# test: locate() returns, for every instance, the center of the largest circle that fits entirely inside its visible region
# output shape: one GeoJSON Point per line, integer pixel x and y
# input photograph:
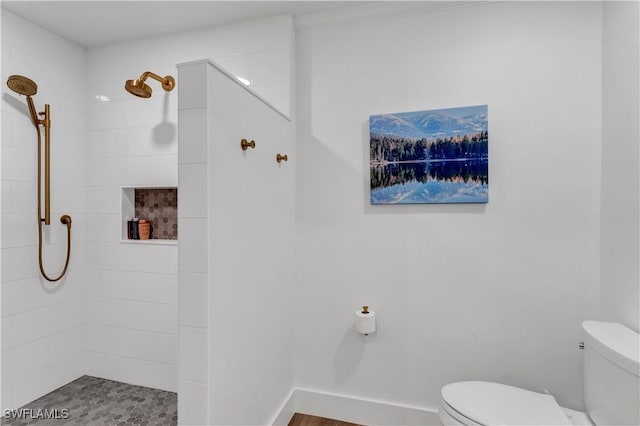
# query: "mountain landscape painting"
{"type": "Point", "coordinates": [425, 157]}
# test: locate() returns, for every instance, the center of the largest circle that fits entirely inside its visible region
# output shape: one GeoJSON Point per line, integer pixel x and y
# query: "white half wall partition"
{"type": "Point", "coordinates": [236, 221]}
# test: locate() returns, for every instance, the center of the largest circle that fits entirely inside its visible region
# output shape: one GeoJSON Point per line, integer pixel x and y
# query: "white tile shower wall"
{"type": "Point", "coordinates": [260, 52]}
{"type": "Point", "coordinates": [192, 263]}
{"type": "Point", "coordinates": [43, 324]}
{"type": "Point", "coordinates": [134, 142]}
{"type": "Point", "coordinates": [462, 292]}
{"type": "Point", "coordinates": [257, 50]}
{"type": "Point", "coordinates": [132, 298]}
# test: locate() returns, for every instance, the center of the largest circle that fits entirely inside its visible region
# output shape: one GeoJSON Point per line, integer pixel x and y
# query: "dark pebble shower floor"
{"type": "Point", "coordinates": [94, 401]}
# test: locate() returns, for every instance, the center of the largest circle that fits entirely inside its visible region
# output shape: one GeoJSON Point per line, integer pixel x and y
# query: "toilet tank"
{"type": "Point", "coordinates": [611, 373]}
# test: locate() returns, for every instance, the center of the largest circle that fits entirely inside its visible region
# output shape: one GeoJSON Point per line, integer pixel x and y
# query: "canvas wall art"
{"type": "Point", "coordinates": [434, 156]}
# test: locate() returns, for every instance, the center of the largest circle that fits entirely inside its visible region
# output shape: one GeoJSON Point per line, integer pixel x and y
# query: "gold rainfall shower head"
{"type": "Point", "coordinates": [27, 87]}
{"type": "Point", "coordinates": [141, 89]}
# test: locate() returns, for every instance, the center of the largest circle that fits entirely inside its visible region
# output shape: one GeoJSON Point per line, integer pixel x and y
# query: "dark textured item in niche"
{"type": "Point", "coordinates": [160, 207]}
{"type": "Point", "coordinates": [132, 230]}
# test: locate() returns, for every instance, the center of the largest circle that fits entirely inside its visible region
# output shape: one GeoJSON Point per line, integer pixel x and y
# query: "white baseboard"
{"type": "Point", "coordinates": [353, 409]}
{"type": "Point", "coordinates": [287, 409]}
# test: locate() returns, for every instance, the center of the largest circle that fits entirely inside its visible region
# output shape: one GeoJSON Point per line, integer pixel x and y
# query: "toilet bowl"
{"type": "Point", "coordinates": [611, 390]}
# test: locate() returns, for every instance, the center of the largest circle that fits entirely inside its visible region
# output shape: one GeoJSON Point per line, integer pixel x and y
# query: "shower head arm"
{"type": "Point", "coordinates": [167, 82]}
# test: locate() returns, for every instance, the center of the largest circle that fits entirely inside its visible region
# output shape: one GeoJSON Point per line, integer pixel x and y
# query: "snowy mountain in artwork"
{"type": "Point", "coordinates": [431, 124]}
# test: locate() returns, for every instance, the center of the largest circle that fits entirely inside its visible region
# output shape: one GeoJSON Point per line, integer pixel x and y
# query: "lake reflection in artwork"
{"type": "Point", "coordinates": [437, 156]}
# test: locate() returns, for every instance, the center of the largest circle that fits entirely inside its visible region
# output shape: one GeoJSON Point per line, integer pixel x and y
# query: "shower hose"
{"type": "Point", "coordinates": [65, 219]}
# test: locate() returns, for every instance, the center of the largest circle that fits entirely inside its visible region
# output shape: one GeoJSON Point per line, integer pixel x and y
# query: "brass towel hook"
{"type": "Point", "coordinates": [244, 144]}
{"type": "Point", "coordinates": [280, 158]}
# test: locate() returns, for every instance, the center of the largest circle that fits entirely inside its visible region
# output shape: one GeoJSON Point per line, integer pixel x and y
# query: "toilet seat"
{"type": "Point", "coordinates": [487, 403]}
{"type": "Point", "coordinates": [450, 417]}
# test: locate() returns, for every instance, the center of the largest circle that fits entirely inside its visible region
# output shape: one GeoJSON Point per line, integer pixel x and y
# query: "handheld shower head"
{"type": "Point", "coordinates": [27, 87]}
{"type": "Point", "coordinates": [22, 85]}
{"type": "Point", "coordinates": [141, 89]}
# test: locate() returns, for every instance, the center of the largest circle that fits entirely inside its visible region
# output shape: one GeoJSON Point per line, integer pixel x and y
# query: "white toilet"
{"type": "Point", "coordinates": [611, 389]}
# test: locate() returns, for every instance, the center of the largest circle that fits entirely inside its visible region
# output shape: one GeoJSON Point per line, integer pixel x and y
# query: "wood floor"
{"type": "Point", "coordinates": [307, 420]}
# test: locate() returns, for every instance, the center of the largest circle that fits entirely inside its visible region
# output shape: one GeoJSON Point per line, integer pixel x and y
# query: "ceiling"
{"type": "Point", "coordinates": [99, 23]}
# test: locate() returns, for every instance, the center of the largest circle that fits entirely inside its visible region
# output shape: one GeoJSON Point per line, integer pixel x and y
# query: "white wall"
{"type": "Point", "coordinates": [42, 323]}
{"type": "Point", "coordinates": [133, 296]}
{"type": "Point", "coordinates": [462, 292]}
{"type": "Point", "coordinates": [619, 295]}
{"type": "Point", "coordinates": [236, 252]}
{"type": "Point", "coordinates": [251, 238]}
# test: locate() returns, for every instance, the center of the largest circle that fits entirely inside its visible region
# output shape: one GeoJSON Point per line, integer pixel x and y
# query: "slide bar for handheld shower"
{"type": "Point", "coordinates": [47, 165]}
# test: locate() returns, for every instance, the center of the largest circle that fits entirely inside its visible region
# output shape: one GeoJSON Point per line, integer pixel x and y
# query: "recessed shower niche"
{"type": "Point", "coordinates": [158, 206]}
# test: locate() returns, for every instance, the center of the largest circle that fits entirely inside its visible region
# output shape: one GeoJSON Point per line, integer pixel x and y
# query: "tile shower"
{"type": "Point", "coordinates": [117, 310]}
